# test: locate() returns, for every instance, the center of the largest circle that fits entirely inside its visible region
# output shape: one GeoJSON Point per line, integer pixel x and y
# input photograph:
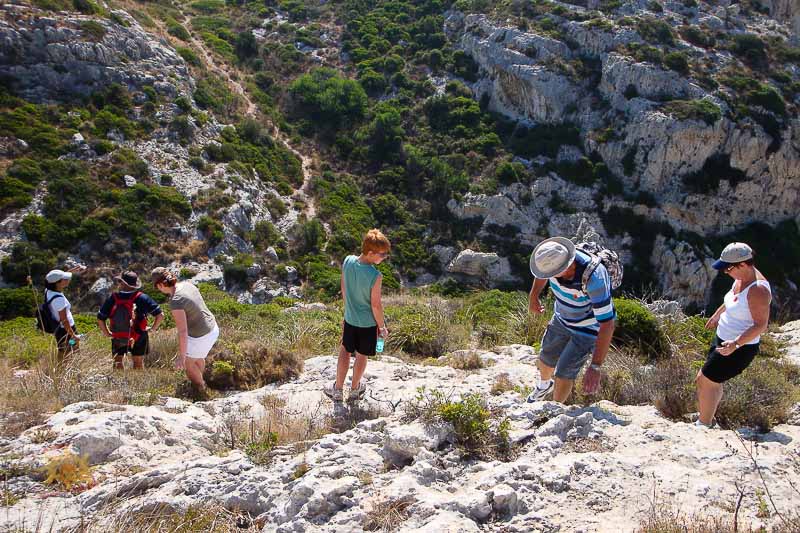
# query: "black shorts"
{"type": "Point", "coordinates": [119, 347]}
{"type": "Point", "coordinates": [361, 340]}
{"type": "Point", "coordinates": [721, 368]}
{"type": "Point", "coordinates": [62, 338]}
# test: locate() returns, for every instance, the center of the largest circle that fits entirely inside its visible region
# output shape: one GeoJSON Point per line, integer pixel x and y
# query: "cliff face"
{"type": "Point", "coordinates": [60, 58]}
{"type": "Point", "coordinates": [628, 113]}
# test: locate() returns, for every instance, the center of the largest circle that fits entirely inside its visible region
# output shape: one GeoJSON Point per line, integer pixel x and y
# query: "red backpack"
{"type": "Point", "coordinates": [123, 318]}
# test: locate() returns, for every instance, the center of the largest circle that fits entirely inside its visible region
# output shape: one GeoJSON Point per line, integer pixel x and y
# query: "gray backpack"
{"type": "Point", "coordinates": [609, 259]}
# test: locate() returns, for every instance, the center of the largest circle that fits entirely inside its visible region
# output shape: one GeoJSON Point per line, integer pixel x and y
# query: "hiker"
{"type": "Point", "coordinates": [363, 314]}
{"type": "Point", "coordinates": [739, 323]}
{"type": "Point", "coordinates": [127, 310]}
{"type": "Point", "coordinates": [583, 321]}
{"type": "Point", "coordinates": [197, 327]}
{"type": "Point", "coordinates": [60, 310]}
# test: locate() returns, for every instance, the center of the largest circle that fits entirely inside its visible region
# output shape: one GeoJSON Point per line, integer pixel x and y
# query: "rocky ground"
{"type": "Point", "coordinates": [597, 468]}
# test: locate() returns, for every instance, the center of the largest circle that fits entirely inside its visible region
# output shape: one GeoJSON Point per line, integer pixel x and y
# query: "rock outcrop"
{"type": "Point", "coordinates": [577, 468]}
{"type": "Point", "coordinates": [51, 59]}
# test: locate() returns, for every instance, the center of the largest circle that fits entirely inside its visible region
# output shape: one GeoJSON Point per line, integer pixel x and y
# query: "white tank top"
{"type": "Point", "coordinates": [736, 319]}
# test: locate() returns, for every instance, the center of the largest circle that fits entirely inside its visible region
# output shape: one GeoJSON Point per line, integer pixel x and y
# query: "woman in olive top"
{"type": "Point", "coordinates": [197, 327]}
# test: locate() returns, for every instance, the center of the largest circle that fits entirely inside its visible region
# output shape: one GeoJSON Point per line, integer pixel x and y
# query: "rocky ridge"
{"type": "Point", "coordinates": [577, 468]}
{"type": "Point", "coordinates": [522, 75]}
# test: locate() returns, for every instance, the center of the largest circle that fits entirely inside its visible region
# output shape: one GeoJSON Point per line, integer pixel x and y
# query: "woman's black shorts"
{"type": "Point", "coordinates": [721, 368]}
{"type": "Point", "coordinates": [361, 340]}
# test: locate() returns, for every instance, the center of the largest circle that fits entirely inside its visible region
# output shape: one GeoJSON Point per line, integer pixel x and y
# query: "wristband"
{"type": "Point", "coordinates": [595, 366]}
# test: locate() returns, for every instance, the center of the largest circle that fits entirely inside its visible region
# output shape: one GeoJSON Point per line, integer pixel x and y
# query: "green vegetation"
{"type": "Point", "coordinates": [698, 36]}
{"type": "Point", "coordinates": [677, 61]}
{"type": "Point", "coordinates": [704, 110]}
{"type": "Point", "coordinates": [637, 327]}
{"type": "Point", "coordinates": [751, 49]}
{"type": "Point", "coordinates": [326, 97]}
{"type": "Point", "coordinates": [93, 30]}
{"type": "Point", "coordinates": [655, 31]}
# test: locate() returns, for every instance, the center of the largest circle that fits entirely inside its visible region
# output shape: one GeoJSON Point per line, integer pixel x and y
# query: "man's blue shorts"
{"type": "Point", "coordinates": [565, 350]}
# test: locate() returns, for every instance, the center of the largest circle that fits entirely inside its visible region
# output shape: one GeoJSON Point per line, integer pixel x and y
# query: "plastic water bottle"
{"type": "Point", "coordinates": [379, 345]}
{"type": "Point", "coordinates": [72, 341]}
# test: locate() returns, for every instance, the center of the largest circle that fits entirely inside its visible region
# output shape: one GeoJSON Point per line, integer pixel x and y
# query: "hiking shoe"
{"type": "Point", "coordinates": [540, 394]}
{"type": "Point", "coordinates": [333, 393]}
{"type": "Point", "coordinates": [357, 394]}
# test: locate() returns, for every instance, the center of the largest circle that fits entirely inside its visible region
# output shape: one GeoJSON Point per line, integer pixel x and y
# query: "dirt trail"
{"type": "Point", "coordinates": [251, 110]}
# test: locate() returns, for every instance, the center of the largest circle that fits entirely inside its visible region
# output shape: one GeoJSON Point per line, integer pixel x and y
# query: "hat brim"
{"type": "Point", "coordinates": [546, 274]}
{"type": "Point", "coordinates": [119, 279]}
{"type": "Point", "coordinates": [719, 264]}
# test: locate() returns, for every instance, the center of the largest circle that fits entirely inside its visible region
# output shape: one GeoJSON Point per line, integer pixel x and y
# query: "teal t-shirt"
{"type": "Point", "coordinates": [358, 281]}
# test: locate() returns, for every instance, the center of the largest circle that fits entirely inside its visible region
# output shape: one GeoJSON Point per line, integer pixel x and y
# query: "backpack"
{"type": "Point", "coordinates": [44, 316]}
{"type": "Point", "coordinates": [609, 259]}
{"type": "Point", "coordinates": [122, 317]}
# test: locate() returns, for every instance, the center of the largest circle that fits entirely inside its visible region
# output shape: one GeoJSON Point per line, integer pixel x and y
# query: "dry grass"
{"type": "Point", "coordinates": [501, 385]}
{"type": "Point", "coordinates": [466, 361]}
{"type": "Point", "coordinates": [387, 515]}
{"type": "Point", "coordinates": [254, 364]}
{"type": "Point", "coordinates": [195, 519]}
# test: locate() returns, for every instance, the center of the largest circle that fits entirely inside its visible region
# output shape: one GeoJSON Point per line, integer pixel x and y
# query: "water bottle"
{"type": "Point", "coordinates": [379, 345]}
{"type": "Point", "coordinates": [72, 342]}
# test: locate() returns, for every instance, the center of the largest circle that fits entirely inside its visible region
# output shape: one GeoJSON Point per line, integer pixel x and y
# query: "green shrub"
{"type": "Point", "coordinates": [212, 229]}
{"type": "Point", "coordinates": [637, 327]}
{"type": "Point", "coordinates": [761, 397]}
{"type": "Point", "coordinates": [189, 55]}
{"type": "Point", "coordinates": [768, 98]}
{"type": "Point", "coordinates": [235, 272]}
{"type": "Point", "coordinates": [176, 29]}
{"type": "Point", "coordinates": [93, 30]}
{"type": "Point", "coordinates": [324, 95]}
{"type": "Point", "coordinates": [751, 49]}
{"type": "Point", "coordinates": [424, 331]}
{"type": "Point", "coordinates": [704, 110]}
{"type": "Point", "coordinates": [17, 302]}
{"type": "Point", "coordinates": [253, 365]}
{"type": "Point", "coordinates": [27, 258]}
{"type": "Point", "coordinates": [653, 30]}
{"type": "Point", "coordinates": [698, 36]}
{"type": "Point", "coordinates": [677, 61]}
{"type": "Point", "coordinates": [87, 7]}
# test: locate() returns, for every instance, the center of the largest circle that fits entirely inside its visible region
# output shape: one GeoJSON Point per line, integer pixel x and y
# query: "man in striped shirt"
{"type": "Point", "coordinates": [583, 322]}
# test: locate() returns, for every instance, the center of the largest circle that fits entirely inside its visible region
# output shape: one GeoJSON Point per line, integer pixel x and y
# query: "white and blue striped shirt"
{"type": "Point", "coordinates": [583, 311]}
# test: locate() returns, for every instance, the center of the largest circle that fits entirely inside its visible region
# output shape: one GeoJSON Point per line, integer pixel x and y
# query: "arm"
{"type": "Point", "coordinates": [603, 342]}
{"type": "Point", "coordinates": [62, 317]}
{"type": "Point", "coordinates": [534, 306]}
{"type": "Point", "coordinates": [157, 322]}
{"type": "Point", "coordinates": [377, 306]}
{"type": "Point", "coordinates": [714, 319]}
{"type": "Point", "coordinates": [183, 335]}
{"type": "Point", "coordinates": [103, 327]}
{"type": "Point", "coordinates": [758, 299]}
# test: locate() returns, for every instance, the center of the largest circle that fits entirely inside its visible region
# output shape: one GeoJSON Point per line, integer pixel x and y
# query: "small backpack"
{"type": "Point", "coordinates": [122, 317]}
{"type": "Point", "coordinates": [609, 259]}
{"type": "Point", "coordinates": [44, 316]}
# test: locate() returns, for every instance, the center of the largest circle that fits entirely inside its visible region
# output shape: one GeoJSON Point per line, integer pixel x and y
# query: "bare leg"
{"type": "Point", "coordinates": [546, 372]}
{"type": "Point", "coordinates": [709, 395]}
{"type": "Point", "coordinates": [138, 362]}
{"type": "Point", "coordinates": [358, 369]}
{"type": "Point", "coordinates": [562, 389]}
{"type": "Point", "coordinates": [194, 371]}
{"type": "Point", "coordinates": [118, 362]}
{"type": "Point", "coordinates": [342, 367]}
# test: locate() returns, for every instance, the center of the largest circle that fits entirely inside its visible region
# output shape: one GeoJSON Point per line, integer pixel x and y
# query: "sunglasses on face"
{"type": "Point", "coordinates": [728, 270]}
{"type": "Point", "coordinates": [382, 254]}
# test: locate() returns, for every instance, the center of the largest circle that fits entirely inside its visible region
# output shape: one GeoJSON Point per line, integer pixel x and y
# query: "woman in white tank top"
{"type": "Point", "coordinates": [739, 323]}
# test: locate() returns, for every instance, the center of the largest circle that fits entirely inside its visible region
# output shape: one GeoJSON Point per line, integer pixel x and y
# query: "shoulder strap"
{"type": "Point", "coordinates": [54, 297]}
{"type": "Point", "coordinates": [589, 270]}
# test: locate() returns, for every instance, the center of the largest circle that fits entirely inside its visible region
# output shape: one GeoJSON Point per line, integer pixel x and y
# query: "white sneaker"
{"type": "Point", "coordinates": [357, 393]}
{"type": "Point", "coordinates": [540, 394]}
{"type": "Point", "coordinates": [699, 424]}
{"type": "Point", "coordinates": [333, 393]}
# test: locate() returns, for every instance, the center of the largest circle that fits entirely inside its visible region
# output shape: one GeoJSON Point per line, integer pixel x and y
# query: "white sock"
{"type": "Point", "coordinates": [544, 384]}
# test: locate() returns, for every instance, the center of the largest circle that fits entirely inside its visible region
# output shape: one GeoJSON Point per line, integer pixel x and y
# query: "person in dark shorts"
{"type": "Point", "coordinates": [66, 334]}
{"type": "Point", "coordinates": [739, 323]}
{"type": "Point", "coordinates": [123, 318]}
{"type": "Point", "coordinates": [363, 314]}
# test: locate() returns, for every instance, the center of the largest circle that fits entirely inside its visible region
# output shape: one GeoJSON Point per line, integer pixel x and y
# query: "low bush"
{"type": "Point", "coordinates": [751, 49]}
{"type": "Point", "coordinates": [704, 110]}
{"type": "Point", "coordinates": [655, 31]}
{"type": "Point", "coordinates": [17, 302]}
{"type": "Point", "coordinates": [677, 61]}
{"type": "Point", "coordinates": [698, 36]}
{"type": "Point", "coordinates": [250, 365]}
{"type": "Point", "coordinates": [69, 471]}
{"type": "Point", "coordinates": [637, 327]}
{"type": "Point", "coordinates": [425, 330]}
{"type": "Point", "coordinates": [477, 430]}
{"type": "Point", "coordinates": [93, 30]}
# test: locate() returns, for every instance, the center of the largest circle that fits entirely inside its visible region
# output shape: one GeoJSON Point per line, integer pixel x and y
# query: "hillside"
{"type": "Point", "coordinates": [251, 144]}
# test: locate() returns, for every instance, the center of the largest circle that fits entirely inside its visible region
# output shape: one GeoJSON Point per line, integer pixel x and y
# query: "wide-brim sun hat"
{"type": "Point", "coordinates": [735, 252]}
{"type": "Point", "coordinates": [54, 276]}
{"type": "Point", "coordinates": [130, 279]}
{"type": "Point", "coordinates": [551, 257]}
